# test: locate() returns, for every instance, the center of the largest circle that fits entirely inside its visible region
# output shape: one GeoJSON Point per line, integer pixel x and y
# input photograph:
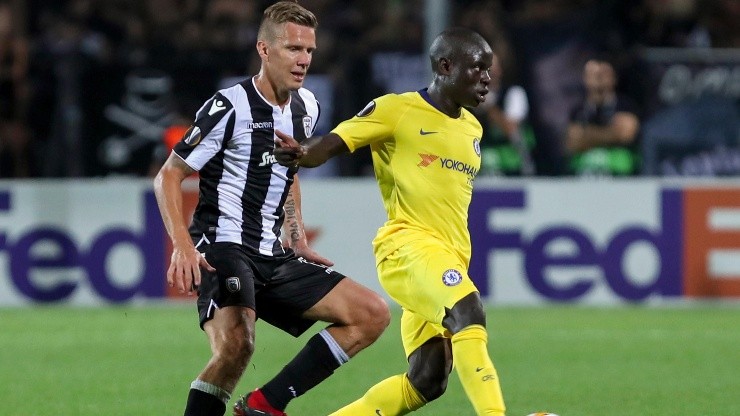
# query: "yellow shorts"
{"type": "Point", "coordinates": [424, 277]}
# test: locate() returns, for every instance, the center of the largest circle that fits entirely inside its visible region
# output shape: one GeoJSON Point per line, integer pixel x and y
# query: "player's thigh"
{"type": "Point", "coordinates": [295, 287]}
{"type": "Point", "coordinates": [232, 284]}
{"type": "Point", "coordinates": [417, 331]}
{"type": "Point", "coordinates": [425, 278]}
{"type": "Point", "coordinates": [349, 303]}
{"type": "Point", "coordinates": [231, 328]}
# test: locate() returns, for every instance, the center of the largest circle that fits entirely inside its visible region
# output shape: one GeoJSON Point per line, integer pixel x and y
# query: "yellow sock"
{"type": "Point", "coordinates": [476, 371]}
{"type": "Point", "coordinates": [391, 397]}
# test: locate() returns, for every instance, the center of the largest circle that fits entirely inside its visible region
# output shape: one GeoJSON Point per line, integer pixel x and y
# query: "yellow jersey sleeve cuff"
{"type": "Point", "coordinates": [350, 145]}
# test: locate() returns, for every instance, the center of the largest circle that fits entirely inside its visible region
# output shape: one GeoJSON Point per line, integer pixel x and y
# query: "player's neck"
{"type": "Point", "coordinates": [270, 91]}
{"type": "Point", "coordinates": [443, 103]}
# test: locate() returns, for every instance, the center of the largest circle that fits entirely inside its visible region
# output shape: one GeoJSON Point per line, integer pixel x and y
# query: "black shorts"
{"type": "Point", "coordinates": [278, 288]}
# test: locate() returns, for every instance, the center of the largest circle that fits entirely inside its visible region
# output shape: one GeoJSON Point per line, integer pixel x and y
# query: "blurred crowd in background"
{"type": "Point", "coordinates": [94, 88]}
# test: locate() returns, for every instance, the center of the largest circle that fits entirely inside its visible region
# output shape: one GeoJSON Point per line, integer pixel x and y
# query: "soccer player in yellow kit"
{"type": "Point", "coordinates": [426, 152]}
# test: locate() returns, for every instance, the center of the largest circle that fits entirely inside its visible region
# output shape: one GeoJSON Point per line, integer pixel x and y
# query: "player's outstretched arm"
{"type": "Point", "coordinates": [315, 151]}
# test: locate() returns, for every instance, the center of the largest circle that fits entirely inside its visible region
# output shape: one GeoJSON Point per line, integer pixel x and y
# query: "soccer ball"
{"type": "Point", "coordinates": [542, 414]}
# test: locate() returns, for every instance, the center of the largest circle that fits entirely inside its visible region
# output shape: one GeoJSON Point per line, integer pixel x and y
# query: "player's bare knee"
{"type": "Point", "coordinates": [245, 346]}
{"type": "Point", "coordinates": [237, 350]}
{"type": "Point", "coordinates": [375, 315]}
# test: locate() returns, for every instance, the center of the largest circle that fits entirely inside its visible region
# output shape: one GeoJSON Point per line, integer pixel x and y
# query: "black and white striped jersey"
{"type": "Point", "coordinates": [242, 188]}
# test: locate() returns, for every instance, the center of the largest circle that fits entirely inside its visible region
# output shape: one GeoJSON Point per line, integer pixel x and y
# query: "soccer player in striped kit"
{"type": "Point", "coordinates": [232, 253]}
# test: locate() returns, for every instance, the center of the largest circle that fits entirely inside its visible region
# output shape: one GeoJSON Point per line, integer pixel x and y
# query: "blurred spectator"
{"type": "Point", "coordinates": [718, 24]}
{"type": "Point", "coordinates": [602, 133]}
{"type": "Point", "coordinates": [663, 23]}
{"type": "Point", "coordinates": [68, 53]}
{"type": "Point", "coordinates": [230, 33]}
{"type": "Point", "coordinates": [13, 66]}
{"type": "Point", "coordinates": [16, 157]}
{"type": "Point", "coordinates": [682, 23]}
{"type": "Point", "coordinates": [552, 40]}
{"type": "Point", "coordinates": [368, 47]}
{"type": "Point", "coordinates": [398, 60]}
{"type": "Point", "coordinates": [367, 27]}
{"type": "Point", "coordinates": [15, 147]}
{"type": "Point", "coordinates": [508, 136]}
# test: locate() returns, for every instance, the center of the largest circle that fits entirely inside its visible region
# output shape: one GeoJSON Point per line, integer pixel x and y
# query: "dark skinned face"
{"type": "Point", "coordinates": [470, 75]}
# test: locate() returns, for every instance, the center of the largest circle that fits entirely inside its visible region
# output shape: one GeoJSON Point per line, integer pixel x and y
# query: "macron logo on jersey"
{"type": "Point", "coordinates": [260, 125]}
{"type": "Point", "coordinates": [426, 159]}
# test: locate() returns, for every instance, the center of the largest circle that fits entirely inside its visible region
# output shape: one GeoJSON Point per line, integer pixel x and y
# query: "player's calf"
{"type": "Point", "coordinates": [429, 368]}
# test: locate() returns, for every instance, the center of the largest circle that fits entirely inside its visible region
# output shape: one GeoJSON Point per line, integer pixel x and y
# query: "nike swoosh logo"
{"type": "Point", "coordinates": [478, 369]}
{"type": "Point", "coordinates": [424, 133]}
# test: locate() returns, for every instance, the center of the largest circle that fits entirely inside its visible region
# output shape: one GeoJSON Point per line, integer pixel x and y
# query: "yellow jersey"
{"type": "Point", "coordinates": [425, 163]}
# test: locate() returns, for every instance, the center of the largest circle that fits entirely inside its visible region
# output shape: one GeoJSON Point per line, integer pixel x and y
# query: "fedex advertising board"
{"type": "Point", "coordinates": [82, 242]}
{"type": "Point", "coordinates": [601, 241]}
{"type": "Point", "coordinates": [102, 241]}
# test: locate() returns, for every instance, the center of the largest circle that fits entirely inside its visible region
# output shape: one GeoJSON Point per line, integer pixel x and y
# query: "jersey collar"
{"type": "Point", "coordinates": [425, 95]}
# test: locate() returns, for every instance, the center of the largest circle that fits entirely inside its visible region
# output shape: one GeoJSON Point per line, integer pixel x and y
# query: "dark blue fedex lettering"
{"type": "Point", "coordinates": [668, 241]}
{"type": "Point", "coordinates": [537, 260]}
{"type": "Point", "coordinates": [23, 259]}
{"type": "Point", "coordinates": [484, 240]}
{"type": "Point", "coordinates": [151, 245]}
{"type": "Point", "coordinates": [488, 240]}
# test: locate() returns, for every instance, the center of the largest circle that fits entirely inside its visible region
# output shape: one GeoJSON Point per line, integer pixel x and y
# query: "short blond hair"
{"type": "Point", "coordinates": [284, 12]}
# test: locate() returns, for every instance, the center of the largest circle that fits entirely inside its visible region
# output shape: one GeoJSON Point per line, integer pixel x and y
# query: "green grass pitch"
{"type": "Point", "coordinates": [574, 361]}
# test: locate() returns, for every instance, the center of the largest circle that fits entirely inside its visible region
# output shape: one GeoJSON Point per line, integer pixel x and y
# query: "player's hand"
{"type": "Point", "coordinates": [184, 270]}
{"type": "Point", "coordinates": [287, 152]}
{"type": "Point", "coordinates": [307, 253]}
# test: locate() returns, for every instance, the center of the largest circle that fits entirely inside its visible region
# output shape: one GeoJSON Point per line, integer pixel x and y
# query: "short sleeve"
{"type": "Point", "coordinates": [376, 122]}
{"type": "Point", "coordinates": [205, 137]}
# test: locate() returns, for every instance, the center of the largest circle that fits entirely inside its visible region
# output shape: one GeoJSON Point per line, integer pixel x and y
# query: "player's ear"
{"type": "Point", "coordinates": [262, 49]}
{"type": "Point", "coordinates": [444, 66]}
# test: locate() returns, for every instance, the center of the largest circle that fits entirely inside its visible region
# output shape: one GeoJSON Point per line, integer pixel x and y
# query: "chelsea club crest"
{"type": "Point", "coordinates": [451, 277]}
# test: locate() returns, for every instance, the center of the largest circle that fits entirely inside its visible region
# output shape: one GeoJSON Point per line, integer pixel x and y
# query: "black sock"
{"type": "Point", "coordinates": [312, 365]}
{"type": "Point", "coordinates": [204, 404]}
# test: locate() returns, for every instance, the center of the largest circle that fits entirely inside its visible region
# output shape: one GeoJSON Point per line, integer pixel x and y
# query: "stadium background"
{"type": "Point", "coordinates": [638, 274]}
{"type": "Point", "coordinates": [98, 88]}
